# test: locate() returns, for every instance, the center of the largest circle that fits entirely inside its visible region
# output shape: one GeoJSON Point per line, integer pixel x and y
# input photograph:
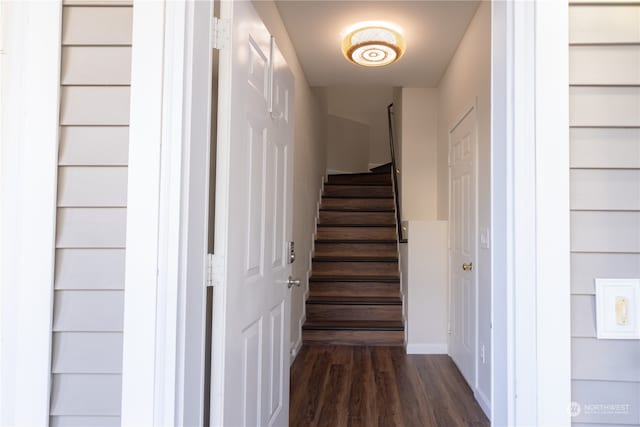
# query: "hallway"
{"type": "Point", "coordinates": [378, 386]}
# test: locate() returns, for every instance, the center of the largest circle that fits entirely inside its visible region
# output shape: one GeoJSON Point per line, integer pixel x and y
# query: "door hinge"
{"type": "Point", "coordinates": [220, 33]}
{"type": "Point", "coordinates": [215, 264]}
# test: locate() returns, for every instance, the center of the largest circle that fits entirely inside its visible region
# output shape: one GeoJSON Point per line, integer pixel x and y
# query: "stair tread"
{"type": "Point", "coordinates": [358, 184]}
{"type": "Point", "coordinates": [357, 225]}
{"type": "Point", "coordinates": [379, 325]}
{"type": "Point", "coordinates": [321, 241]}
{"type": "Point", "coordinates": [354, 278]}
{"type": "Point", "coordinates": [357, 197]}
{"type": "Point", "coordinates": [354, 300]}
{"type": "Point", "coordinates": [356, 258]}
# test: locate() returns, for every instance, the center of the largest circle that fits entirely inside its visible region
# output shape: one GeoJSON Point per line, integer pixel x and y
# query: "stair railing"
{"type": "Point", "coordinates": [394, 174]}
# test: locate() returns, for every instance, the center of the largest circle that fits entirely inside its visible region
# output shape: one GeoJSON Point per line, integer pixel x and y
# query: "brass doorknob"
{"type": "Point", "coordinates": [467, 267]}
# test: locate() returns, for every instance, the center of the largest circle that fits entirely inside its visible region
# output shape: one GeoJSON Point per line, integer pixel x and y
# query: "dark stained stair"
{"type": "Point", "coordinates": [354, 290]}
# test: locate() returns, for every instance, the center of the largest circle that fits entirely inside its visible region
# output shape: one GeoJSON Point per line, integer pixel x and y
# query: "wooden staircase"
{"type": "Point", "coordinates": [354, 290]}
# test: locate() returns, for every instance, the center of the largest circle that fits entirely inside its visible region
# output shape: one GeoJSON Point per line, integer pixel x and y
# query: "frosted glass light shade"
{"type": "Point", "coordinates": [373, 45]}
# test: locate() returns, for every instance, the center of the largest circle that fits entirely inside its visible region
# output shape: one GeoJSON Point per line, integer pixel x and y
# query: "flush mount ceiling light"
{"type": "Point", "coordinates": [373, 44]}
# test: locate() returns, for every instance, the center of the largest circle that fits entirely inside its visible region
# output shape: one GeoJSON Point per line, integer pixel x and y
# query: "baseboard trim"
{"type": "Point", "coordinates": [483, 402]}
{"type": "Point", "coordinates": [427, 348]}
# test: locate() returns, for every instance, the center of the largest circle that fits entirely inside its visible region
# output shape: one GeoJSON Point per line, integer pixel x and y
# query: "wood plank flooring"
{"type": "Point", "coordinates": [379, 386]}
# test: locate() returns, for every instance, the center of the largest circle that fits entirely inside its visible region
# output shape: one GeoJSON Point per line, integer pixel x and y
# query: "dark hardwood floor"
{"type": "Point", "coordinates": [378, 386]}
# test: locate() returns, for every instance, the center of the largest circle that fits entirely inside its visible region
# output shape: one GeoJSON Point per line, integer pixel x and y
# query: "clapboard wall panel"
{"type": "Point", "coordinates": [99, 186]}
{"type": "Point", "coordinates": [605, 189]}
{"type": "Point", "coordinates": [604, 24]}
{"type": "Point", "coordinates": [609, 360]}
{"type": "Point", "coordinates": [84, 352]}
{"type": "Point", "coordinates": [605, 148]}
{"type": "Point", "coordinates": [79, 421]}
{"type": "Point", "coordinates": [96, 65]}
{"type": "Point", "coordinates": [605, 202]}
{"type": "Point", "coordinates": [88, 311]}
{"type": "Point", "coordinates": [94, 146]}
{"type": "Point", "coordinates": [591, 65]}
{"type": "Point", "coordinates": [604, 106]}
{"type": "Point", "coordinates": [108, 26]}
{"type": "Point", "coordinates": [94, 105]}
{"type": "Point", "coordinates": [88, 306]}
{"type": "Point", "coordinates": [605, 231]}
{"type": "Point", "coordinates": [91, 227]}
{"type": "Point", "coordinates": [89, 269]}
{"type": "Point", "coordinates": [86, 395]}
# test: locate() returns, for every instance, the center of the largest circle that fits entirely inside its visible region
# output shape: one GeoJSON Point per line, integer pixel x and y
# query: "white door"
{"type": "Point", "coordinates": [254, 188]}
{"type": "Point", "coordinates": [462, 244]}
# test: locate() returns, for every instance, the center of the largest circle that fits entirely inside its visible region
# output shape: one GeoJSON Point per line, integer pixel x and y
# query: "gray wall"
{"type": "Point", "coordinates": [605, 202]}
{"type": "Point", "coordinates": [92, 194]}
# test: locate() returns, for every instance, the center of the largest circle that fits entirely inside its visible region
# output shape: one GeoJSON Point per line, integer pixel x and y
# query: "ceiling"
{"type": "Point", "coordinates": [432, 29]}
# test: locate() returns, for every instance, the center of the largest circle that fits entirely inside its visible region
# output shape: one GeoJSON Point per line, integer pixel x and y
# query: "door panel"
{"type": "Point", "coordinates": [257, 210]}
{"type": "Point", "coordinates": [463, 308]}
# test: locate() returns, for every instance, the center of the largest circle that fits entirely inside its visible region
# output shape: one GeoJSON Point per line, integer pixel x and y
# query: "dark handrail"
{"type": "Point", "coordinates": [394, 174]}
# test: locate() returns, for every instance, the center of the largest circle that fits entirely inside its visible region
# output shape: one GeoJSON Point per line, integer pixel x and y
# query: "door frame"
{"type": "Point", "coordinates": [529, 132]}
{"type": "Point", "coordinates": [530, 241]}
{"type": "Point", "coordinates": [471, 108]}
{"type": "Point", "coordinates": [30, 53]}
{"type": "Point", "coordinates": [167, 214]}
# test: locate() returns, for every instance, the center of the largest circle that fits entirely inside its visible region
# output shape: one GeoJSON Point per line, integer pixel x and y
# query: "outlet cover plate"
{"type": "Point", "coordinates": [609, 292]}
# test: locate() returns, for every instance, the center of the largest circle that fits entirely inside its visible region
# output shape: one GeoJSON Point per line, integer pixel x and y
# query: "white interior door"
{"type": "Point", "coordinates": [254, 178]}
{"type": "Point", "coordinates": [462, 238]}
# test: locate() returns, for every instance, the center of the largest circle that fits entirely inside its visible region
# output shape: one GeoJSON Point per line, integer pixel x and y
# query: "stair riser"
{"type": "Point", "coordinates": [355, 268]}
{"type": "Point", "coordinates": [354, 289]}
{"type": "Point", "coordinates": [368, 218]}
{"type": "Point", "coordinates": [356, 233]}
{"type": "Point", "coordinates": [321, 312]}
{"type": "Point", "coordinates": [355, 204]}
{"type": "Point", "coordinates": [357, 191]}
{"type": "Point", "coordinates": [386, 338]}
{"type": "Point", "coordinates": [373, 179]}
{"type": "Point", "coordinates": [361, 249]}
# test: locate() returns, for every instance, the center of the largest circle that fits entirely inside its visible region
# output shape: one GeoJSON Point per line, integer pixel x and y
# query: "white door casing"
{"type": "Point", "coordinates": [254, 179]}
{"type": "Point", "coordinates": [462, 245]}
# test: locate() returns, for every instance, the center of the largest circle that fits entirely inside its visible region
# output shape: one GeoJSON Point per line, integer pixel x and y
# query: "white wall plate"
{"type": "Point", "coordinates": [617, 309]}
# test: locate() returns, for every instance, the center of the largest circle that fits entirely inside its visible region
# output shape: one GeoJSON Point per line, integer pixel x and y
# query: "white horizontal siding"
{"type": "Point", "coordinates": [593, 395]}
{"type": "Point", "coordinates": [94, 146]}
{"type": "Point", "coordinates": [609, 360]}
{"type": "Point", "coordinates": [89, 269]}
{"type": "Point", "coordinates": [80, 421]}
{"type": "Point", "coordinates": [585, 267]}
{"type": "Point", "coordinates": [88, 311]}
{"type": "Point", "coordinates": [604, 106]}
{"type": "Point", "coordinates": [605, 231]}
{"type": "Point", "coordinates": [593, 64]}
{"type": "Point", "coordinates": [94, 105]}
{"type": "Point", "coordinates": [97, 25]}
{"type": "Point", "coordinates": [605, 148]}
{"type": "Point", "coordinates": [80, 394]}
{"type": "Point", "coordinates": [605, 189]}
{"type": "Point", "coordinates": [96, 65]}
{"type": "Point", "coordinates": [91, 228]}
{"type": "Point", "coordinates": [583, 316]}
{"type": "Point", "coordinates": [82, 353]}
{"type": "Point", "coordinates": [87, 186]}
{"type": "Point", "coordinates": [598, 24]}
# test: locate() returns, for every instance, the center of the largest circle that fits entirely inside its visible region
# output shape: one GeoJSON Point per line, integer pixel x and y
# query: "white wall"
{"type": "Point", "coordinates": [419, 148]}
{"type": "Point", "coordinates": [347, 140]}
{"type": "Point", "coordinates": [309, 161]}
{"type": "Point", "coordinates": [468, 78]}
{"type": "Point", "coordinates": [368, 106]}
{"type": "Point", "coordinates": [425, 287]}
